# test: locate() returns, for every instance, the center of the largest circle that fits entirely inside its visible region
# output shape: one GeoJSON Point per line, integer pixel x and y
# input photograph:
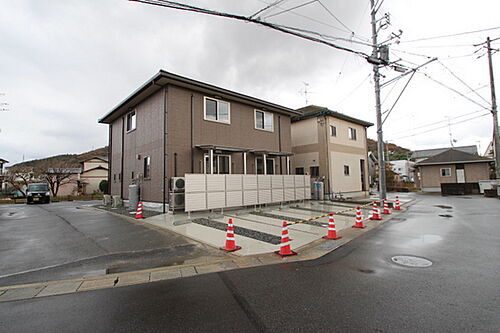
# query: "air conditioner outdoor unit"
{"type": "Point", "coordinates": [178, 184]}
{"type": "Point", "coordinates": [177, 200]}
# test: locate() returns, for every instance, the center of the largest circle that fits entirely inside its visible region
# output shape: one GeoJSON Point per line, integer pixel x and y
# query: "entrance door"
{"type": "Point", "coordinates": [460, 173]}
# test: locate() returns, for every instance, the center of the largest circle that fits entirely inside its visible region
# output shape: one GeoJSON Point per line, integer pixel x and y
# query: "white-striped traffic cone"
{"type": "Point", "coordinates": [396, 204]}
{"type": "Point", "coordinates": [386, 207]}
{"type": "Point", "coordinates": [285, 250]}
{"type": "Point", "coordinates": [332, 231]}
{"type": "Point", "coordinates": [138, 214]}
{"type": "Point", "coordinates": [230, 240]}
{"type": "Point", "coordinates": [359, 219]}
{"type": "Point", "coordinates": [376, 213]}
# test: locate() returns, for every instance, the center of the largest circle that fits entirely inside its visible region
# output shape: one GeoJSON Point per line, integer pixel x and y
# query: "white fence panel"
{"type": "Point", "coordinates": [195, 201]}
{"type": "Point", "coordinates": [216, 200]}
{"type": "Point", "coordinates": [264, 182]}
{"type": "Point", "coordinates": [234, 182]}
{"type": "Point", "coordinates": [249, 182]}
{"type": "Point", "coordinates": [195, 182]}
{"type": "Point", "coordinates": [250, 198]}
{"type": "Point", "coordinates": [216, 183]}
{"type": "Point", "coordinates": [220, 191]}
{"type": "Point", "coordinates": [277, 195]}
{"type": "Point", "coordinates": [234, 198]}
{"type": "Point", "coordinates": [264, 196]}
{"type": "Point", "coordinates": [277, 181]}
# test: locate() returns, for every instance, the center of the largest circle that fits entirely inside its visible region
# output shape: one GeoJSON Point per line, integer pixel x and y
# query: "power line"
{"type": "Point", "coordinates": [322, 23]}
{"type": "Point", "coordinates": [333, 15]}
{"type": "Point", "coordinates": [464, 83]}
{"type": "Point", "coordinates": [292, 8]}
{"type": "Point", "coordinates": [353, 90]}
{"type": "Point", "coordinates": [266, 8]}
{"type": "Point", "coordinates": [434, 129]}
{"type": "Point", "coordinates": [455, 91]}
{"type": "Point", "coordinates": [437, 122]}
{"type": "Point", "coordinates": [281, 28]}
{"type": "Point", "coordinates": [450, 35]}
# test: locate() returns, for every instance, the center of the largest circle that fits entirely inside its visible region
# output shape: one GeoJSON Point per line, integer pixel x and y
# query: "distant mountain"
{"type": "Point", "coordinates": [69, 160]}
{"type": "Point", "coordinates": [372, 146]}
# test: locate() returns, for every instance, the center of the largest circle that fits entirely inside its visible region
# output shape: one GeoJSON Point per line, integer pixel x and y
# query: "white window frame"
{"type": "Point", "coordinates": [216, 159]}
{"type": "Point", "coordinates": [264, 121]}
{"type": "Point", "coordinates": [441, 172]}
{"type": "Point", "coordinates": [133, 126]}
{"type": "Point", "coordinates": [205, 98]}
{"type": "Point", "coordinates": [267, 159]}
{"type": "Point", "coordinates": [333, 130]}
{"type": "Point", "coordinates": [352, 134]}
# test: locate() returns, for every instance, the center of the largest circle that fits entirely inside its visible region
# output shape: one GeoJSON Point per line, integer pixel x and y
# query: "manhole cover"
{"type": "Point", "coordinates": [411, 261]}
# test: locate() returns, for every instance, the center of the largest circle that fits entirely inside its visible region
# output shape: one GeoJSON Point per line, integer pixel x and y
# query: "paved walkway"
{"type": "Point", "coordinates": [315, 249]}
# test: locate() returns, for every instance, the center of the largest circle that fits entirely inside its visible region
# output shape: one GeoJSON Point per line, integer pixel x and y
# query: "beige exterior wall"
{"type": "Point", "coordinates": [311, 140]}
{"type": "Point", "coordinates": [94, 163]}
{"type": "Point", "coordinates": [92, 179]}
{"type": "Point", "coordinates": [430, 175]}
{"type": "Point", "coordinates": [305, 132]}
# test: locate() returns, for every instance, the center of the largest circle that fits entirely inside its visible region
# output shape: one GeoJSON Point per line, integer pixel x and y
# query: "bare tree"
{"type": "Point", "coordinates": [18, 177]}
{"type": "Point", "coordinates": [57, 175]}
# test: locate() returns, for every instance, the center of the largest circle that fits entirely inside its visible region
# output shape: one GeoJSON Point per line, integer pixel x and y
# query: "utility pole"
{"type": "Point", "coordinates": [496, 140]}
{"type": "Point", "coordinates": [380, 138]}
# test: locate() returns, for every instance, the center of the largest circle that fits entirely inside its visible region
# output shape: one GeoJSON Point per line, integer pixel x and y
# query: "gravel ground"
{"type": "Point", "coordinates": [262, 236]}
{"type": "Point", "coordinates": [286, 218]}
{"type": "Point", "coordinates": [125, 211]}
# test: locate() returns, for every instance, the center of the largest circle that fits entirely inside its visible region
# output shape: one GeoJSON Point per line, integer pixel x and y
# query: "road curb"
{"type": "Point", "coordinates": [311, 251]}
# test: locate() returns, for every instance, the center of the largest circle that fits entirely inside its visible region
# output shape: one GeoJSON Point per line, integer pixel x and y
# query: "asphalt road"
{"type": "Point", "coordinates": [63, 240]}
{"type": "Point", "coordinates": [355, 288]}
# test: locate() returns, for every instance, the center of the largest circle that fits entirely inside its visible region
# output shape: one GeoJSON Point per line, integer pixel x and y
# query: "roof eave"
{"type": "Point", "coordinates": [163, 78]}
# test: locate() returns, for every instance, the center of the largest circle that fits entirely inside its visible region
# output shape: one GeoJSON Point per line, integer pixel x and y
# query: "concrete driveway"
{"type": "Point", "coordinates": [68, 240]}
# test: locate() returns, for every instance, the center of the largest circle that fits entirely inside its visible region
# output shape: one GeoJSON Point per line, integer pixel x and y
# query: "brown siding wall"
{"type": "Point", "coordinates": [239, 133]}
{"type": "Point", "coordinates": [146, 140]}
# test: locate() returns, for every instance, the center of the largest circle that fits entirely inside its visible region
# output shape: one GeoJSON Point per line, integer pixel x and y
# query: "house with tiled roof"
{"type": "Point", "coordinates": [451, 166]}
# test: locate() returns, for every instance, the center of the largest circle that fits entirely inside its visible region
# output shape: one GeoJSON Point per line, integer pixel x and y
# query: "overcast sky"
{"type": "Point", "coordinates": [64, 64]}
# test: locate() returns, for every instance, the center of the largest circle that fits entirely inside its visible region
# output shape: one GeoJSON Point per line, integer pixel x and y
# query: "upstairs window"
{"type": "Point", "coordinates": [333, 130]}
{"type": "Point", "coordinates": [346, 170]}
{"type": "Point", "coordinates": [352, 133]}
{"type": "Point", "coordinates": [131, 121]}
{"type": "Point", "coordinates": [217, 110]}
{"type": "Point", "coordinates": [264, 120]}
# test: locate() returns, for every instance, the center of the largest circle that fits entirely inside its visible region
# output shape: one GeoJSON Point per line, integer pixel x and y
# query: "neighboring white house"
{"type": "Point", "coordinates": [405, 169]}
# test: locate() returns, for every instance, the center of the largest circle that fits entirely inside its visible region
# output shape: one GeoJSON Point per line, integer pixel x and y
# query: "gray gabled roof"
{"type": "Point", "coordinates": [432, 152]}
{"type": "Point", "coordinates": [313, 111]}
{"type": "Point", "coordinates": [162, 78]}
{"type": "Point", "coordinates": [452, 155]}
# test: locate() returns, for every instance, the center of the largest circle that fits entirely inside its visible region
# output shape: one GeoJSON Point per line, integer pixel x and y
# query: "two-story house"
{"type": "Point", "coordinates": [94, 170]}
{"type": "Point", "coordinates": [173, 125]}
{"type": "Point", "coordinates": [331, 147]}
{"type": "Point", "coordinates": [2, 171]}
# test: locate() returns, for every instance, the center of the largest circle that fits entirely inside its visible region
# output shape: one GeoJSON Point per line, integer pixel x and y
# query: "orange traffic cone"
{"type": "Point", "coordinates": [230, 242]}
{"type": "Point", "coordinates": [376, 213]}
{"type": "Point", "coordinates": [332, 231]}
{"type": "Point", "coordinates": [396, 204]}
{"type": "Point", "coordinates": [138, 214]}
{"type": "Point", "coordinates": [285, 250]}
{"type": "Point", "coordinates": [359, 219]}
{"type": "Point", "coordinates": [386, 207]}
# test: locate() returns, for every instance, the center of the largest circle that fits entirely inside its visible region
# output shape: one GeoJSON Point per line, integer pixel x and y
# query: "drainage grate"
{"type": "Point", "coordinates": [287, 218]}
{"type": "Point", "coordinates": [443, 206]}
{"type": "Point", "coordinates": [445, 215]}
{"type": "Point", "coordinates": [262, 236]}
{"type": "Point", "coordinates": [411, 261]}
